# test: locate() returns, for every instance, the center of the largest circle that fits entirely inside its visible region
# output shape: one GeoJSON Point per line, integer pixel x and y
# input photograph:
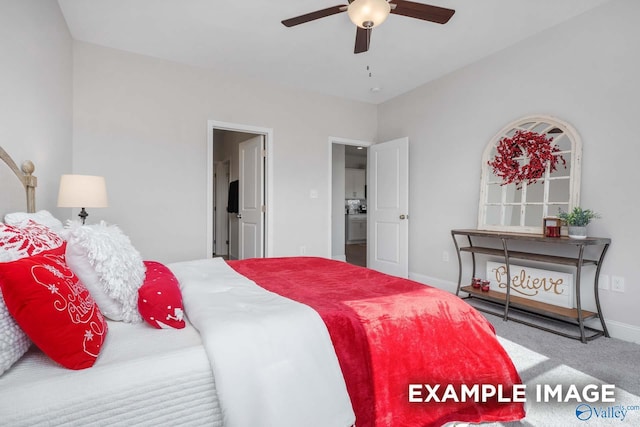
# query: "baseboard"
{"type": "Point", "coordinates": [445, 285]}
{"type": "Point", "coordinates": [619, 330]}
{"type": "Point", "coordinates": [339, 257]}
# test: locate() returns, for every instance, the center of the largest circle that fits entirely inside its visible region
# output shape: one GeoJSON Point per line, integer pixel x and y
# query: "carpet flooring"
{"type": "Point", "coordinates": [543, 359]}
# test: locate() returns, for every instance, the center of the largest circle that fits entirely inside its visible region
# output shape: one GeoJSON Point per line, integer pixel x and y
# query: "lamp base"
{"type": "Point", "coordinates": [83, 214]}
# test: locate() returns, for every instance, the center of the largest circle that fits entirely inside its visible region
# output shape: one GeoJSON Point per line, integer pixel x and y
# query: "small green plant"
{"type": "Point", "coordinates": [578, 217]}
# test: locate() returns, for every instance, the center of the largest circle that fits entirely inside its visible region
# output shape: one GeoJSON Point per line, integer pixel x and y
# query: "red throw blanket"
{"type": "Point", "coordinates": [390, 332]}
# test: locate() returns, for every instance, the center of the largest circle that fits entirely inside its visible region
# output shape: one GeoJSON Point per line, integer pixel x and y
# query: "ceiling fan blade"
{"type": "Point", "coordinates": [314, 15]}
{"type": "Point", "coordinates": [363, 38]}
{"type": "Point", "coordinates": [426, 12]}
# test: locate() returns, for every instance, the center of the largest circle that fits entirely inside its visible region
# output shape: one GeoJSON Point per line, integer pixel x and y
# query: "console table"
{"type": "Point", "coordinates": [575, 316]}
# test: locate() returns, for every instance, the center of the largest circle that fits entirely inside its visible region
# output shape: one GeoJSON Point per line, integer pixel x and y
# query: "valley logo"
{"type": "Point", "coordinates": [585, 412]}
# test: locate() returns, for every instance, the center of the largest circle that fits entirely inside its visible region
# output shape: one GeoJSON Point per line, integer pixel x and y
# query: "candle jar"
{"type": "Point", "coordinates": [486, 285]}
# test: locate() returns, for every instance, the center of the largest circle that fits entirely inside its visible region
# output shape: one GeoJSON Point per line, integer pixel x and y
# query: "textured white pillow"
{"type": "Point", "coordinates": [13, 341]}
{"type": "Point", "coordinates": [18, 219]}
{"type": "Point", "coordinates": [106, 262]}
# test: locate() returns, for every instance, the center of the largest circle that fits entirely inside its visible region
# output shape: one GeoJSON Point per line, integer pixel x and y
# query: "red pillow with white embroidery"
{"type": "Point", "coordinates": [18, 242]}
{"type": "Point", "coordinates": [160, 299]}
{"type": "Point", "coordinates": [54, 308]}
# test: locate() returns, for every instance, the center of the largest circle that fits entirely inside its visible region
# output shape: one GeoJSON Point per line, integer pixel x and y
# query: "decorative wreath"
{"type": "Point", "coordinates": [538, 149]}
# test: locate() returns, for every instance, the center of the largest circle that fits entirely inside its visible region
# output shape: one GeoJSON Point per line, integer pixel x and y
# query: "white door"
{"type": "Point", "coordinates": [251, 199]}
{"type": "Point", "coordinates": [388, 207]}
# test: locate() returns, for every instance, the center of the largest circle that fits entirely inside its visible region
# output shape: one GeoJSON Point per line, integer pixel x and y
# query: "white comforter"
{"type": "Point", "coordinates": [272, 358]}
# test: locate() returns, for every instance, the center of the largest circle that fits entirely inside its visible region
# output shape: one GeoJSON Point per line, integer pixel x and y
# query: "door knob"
{"type": "Point", "coordinates": [404, 216]}
{"type": "Point", "coordinates": [238, 216]}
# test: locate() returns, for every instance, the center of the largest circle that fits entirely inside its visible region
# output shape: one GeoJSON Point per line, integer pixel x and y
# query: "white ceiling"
{"type": "Point", "coordinates": [245, 37]}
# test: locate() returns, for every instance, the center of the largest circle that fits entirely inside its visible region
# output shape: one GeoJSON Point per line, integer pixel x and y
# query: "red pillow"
{"type": "Point", "coordinates": [53, 308]}
{"type": "Point", "coordinates": [160, 299]}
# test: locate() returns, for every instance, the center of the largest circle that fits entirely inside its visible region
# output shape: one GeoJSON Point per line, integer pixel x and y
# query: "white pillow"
{"type": "Point", "coordinates": [13, 341]}
{"type": "Point", "coordinates": [18, 219]}
{"type": "Point", "coordinates": [106, 262]}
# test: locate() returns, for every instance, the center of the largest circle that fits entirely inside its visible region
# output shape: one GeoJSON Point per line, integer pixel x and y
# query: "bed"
{"type": "Point", "coordinates": [264, 342]}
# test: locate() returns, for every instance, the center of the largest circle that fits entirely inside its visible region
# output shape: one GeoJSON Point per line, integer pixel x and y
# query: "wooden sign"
{"type": "Point", "coordinates": [548, 286]}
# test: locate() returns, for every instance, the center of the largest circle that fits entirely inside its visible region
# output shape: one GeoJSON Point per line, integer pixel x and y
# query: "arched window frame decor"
{"type": "Point", "coordinates": [499, 208]}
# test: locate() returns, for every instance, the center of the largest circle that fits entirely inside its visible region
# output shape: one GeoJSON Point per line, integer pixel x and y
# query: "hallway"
{"type": "Point", "coordinates": [356, 254]}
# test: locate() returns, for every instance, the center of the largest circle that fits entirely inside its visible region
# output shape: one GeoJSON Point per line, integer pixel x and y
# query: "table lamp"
{"type": "Point", "coordinates": [82, 191]}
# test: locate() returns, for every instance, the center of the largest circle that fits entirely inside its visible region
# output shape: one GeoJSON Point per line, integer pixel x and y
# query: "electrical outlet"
{"type": "Point", "coordinates": [603, 282]}
{"type": "Point", "coordinates": [617, 283]}
{"type": "Point", "coordinates": [303, 250]}
{"type": "Point", "coordinates": [445, 256]}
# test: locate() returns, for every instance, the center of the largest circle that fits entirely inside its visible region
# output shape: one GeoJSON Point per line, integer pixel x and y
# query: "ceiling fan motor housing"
{"type": "Point", "coordinates": [368, 13]}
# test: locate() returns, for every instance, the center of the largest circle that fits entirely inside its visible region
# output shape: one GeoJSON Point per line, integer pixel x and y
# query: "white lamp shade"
{"type": "Point", "coordinates": [368, 13]}
{"type": "Point", "coordinates": [82, 191]}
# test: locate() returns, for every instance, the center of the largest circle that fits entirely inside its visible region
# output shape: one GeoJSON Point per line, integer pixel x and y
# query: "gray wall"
{"type": "Point", "coordinates": [141, 122]}
{"type": "Point", "coordinates": [584, 71]}
{"type": "Point", "coordinates": [35, 95]}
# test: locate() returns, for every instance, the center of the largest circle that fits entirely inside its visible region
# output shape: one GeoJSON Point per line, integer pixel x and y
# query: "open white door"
{"type": "Point", "coordinates": [251, 199]}
{"type": "Point", "coordinates": [388, 207]}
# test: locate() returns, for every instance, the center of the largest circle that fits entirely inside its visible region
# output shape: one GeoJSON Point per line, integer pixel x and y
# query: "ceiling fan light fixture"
{"type": "Point", "coordinates": [368, 13]}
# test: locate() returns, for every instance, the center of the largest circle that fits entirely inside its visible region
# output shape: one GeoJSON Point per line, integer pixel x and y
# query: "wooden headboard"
{"type": "Point", "coordinates": [29, 182]}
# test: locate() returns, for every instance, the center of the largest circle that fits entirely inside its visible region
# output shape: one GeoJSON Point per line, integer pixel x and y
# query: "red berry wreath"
{"type": "Point", "coordinates": [538, 150]}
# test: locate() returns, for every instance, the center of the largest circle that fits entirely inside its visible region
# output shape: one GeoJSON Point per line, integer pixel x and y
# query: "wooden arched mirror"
{"type": "Point", "coordinates": [520, 206]}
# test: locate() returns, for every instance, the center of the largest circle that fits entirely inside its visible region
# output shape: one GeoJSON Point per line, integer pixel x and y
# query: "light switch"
{"type": "Point", "coordinates": [313, 194]}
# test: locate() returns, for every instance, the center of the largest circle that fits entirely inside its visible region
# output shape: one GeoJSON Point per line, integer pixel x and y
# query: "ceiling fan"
{"type": "Point", "coordinates": [366, 14]}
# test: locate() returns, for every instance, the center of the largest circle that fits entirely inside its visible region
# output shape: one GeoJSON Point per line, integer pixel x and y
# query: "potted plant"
{"type": "Point", "coordinates": [577, 221]}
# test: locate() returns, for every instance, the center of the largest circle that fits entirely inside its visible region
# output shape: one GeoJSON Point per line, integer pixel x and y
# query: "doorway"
{"type": "Point", "coordinates": [348, 200]}
{"type": "Point", "coordinates": [387, 198]}
{"type": "Point", "coordinates": [355, 164]}
{"type": "Point", "coordinates": [221, 182]}
{"type": "Point", "coordinates": [239, 201]}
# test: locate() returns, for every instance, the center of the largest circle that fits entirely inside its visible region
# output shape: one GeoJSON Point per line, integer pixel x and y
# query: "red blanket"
{"type": "Point", "coordinates": [390, 332]}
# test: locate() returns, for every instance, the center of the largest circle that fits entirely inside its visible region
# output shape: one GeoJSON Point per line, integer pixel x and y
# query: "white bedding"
{"type": "Point", "coordinates": [272, 358]}
{"type": "Point", "coordinates": [144, 376]}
